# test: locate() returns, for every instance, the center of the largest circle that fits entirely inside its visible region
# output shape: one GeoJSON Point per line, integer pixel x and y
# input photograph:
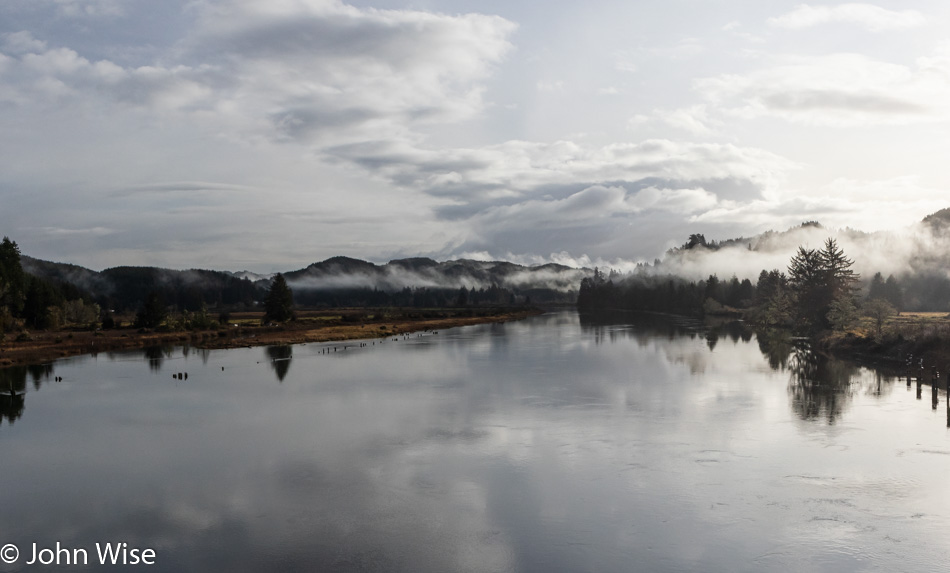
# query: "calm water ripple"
{"type": "Point", "coordinates": [560, 443]}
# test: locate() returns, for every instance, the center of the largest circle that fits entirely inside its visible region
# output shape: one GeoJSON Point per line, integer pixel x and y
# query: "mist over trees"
{"type": "Point", "coordinates": [811, 289]}
{"type": "Point", "coordinates": [817, 292]}
{"type": "Point", "coordinates": [38, 302]}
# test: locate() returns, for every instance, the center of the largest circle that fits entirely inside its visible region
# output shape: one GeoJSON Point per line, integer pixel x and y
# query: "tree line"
{"type": "Point", "coordinates": [70, 296]}
{"type": "Point", "coordinates": [39, 303]}
{"type": "Point", "coordinates": [818, 291]}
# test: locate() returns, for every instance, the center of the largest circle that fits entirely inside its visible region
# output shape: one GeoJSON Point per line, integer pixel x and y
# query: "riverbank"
{"type": "Point", "coordinates": [245, 330]}
{"type": "Point", "coordinates": [923, 335]}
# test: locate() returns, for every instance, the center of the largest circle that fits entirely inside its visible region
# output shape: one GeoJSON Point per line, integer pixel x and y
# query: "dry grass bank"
{"type": "Point", "coordinates": [245, 329]}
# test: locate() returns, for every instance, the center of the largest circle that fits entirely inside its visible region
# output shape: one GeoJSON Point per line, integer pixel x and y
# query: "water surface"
{"type": "Point", "coordinates": [558, 443]}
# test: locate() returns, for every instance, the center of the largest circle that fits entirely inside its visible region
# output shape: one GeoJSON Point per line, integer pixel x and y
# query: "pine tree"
{"type": "Point", "coordinates": [876, 288]}
{"type": "Point", "coordinates": [819, 279]}
{"type": "Point", "coordinates": [153, 311]}
{"type": "Point", "coordinates": [279, 305]}
{"type": "Point", "coordinates": [841, 280]}
{"type": "Point", "coordinates": [12, 279]}
{"type": "Point", "coordinates": [893, 293]}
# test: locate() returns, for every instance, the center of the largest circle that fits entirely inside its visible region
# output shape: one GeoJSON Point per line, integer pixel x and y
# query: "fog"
{"type": "Point", "coordinates": [921, 248]}
{"type": "Point", "coordinates": [342, 273]}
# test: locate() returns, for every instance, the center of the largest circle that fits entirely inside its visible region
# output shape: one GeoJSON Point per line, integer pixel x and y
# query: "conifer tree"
{"type": "Point", "coordinates": [12, 278]}
{"type": "Point", "coordinates": [279, 305]}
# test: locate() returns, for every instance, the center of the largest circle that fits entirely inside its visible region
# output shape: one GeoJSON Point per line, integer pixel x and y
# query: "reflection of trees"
{"type": "Point", "coordinates": [604, 326]}
{"type": "Point", "coordinates": [280, 359]}
{"type": "Point", "coordinates": [776, 346]}
{"type": "Point", "coordinates": [155, 355]}
{"type": "Point", "coordinates": [727, 327]}
{"type": "Point", "coordinates": [13, 388]}
{"type": "Point", "coordinates": [12, 393]}
{"type": "Point", "coordinates": [820, 387]}
{"type": "Point", "coordinates": [644, 327]}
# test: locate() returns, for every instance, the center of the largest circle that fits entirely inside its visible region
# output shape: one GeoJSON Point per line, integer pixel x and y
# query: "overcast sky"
{"type": "Point", "coordinates": [266, 135]}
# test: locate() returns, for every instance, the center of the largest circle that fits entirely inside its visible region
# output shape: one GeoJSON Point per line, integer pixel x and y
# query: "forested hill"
{"type": "Point", "coordinates": [343, 281]}
{"type": "Point", "coordinates": [124, 288]}
{"type": "Point", "coordinates": [338, 281]}
{"type": "Point", "coordinates": [912, 264]}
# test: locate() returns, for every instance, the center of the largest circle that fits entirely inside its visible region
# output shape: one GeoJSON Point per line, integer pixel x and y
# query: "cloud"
{"type": "Point", "coordinates": [88, 8]}
{"type": "Point", "coordinates": [182, 187]}
{"type": "Point", "coordinates": [551, 86]}
{"type": "Point", "coordinates": [869, 205]}
{"type": "Point", "coordinates": [536, 195]}
{"type": "Point", "coordinates": [838, 90]}
{"type": "Point", "coordinates": [320, 67]}
{"type": "Point", "coordinates": [693, 119]}
{"type": "Point", "coordinates": [307, 72]}
{"type": "Point", "coordinates": [683, 49]}
{"type": "Point", "coordinates": [516, 169]}
{"type": "Point", "coordinates": [22, 42]}
{"type": "Point", "coordinates": [873, 18]}
{"type": "Point", "coordinates": [92, 231]}
{"type": "Point", "coordinates": [271, 120]}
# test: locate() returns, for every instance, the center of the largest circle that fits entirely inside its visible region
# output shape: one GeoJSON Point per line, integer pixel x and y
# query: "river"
{"type": "Point", "coordinates": [560, 443]}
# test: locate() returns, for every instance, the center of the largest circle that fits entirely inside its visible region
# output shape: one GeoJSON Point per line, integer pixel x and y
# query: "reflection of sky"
{"type": "Point", "coordinates": [528, 446]}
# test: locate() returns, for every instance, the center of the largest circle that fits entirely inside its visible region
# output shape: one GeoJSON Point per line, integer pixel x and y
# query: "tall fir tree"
{"type": "Point", "coordinates": [279, 306]}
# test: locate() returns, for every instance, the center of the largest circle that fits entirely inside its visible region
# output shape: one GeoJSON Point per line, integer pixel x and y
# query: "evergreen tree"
{"type": "Point", "coordinates": [893, 293]}
{"type": "Point", "coordinates": [279, 305]}
{"type": "Point", "coordinates": [876, 288]}
{"type": "Point", "coordinates": [40, 298]}
{"type": "Point", "coordinates": [806, 280]}
{"type": "Point", "coordinates": [841, 280]}
{"type": "Point", "coordinates": [819, 279]}
{"type": "Point", "coordinates": [462, 298]}
{"type": "Point", "coordinates": [153, 311]}
{"type": "Point", "coordinates": [12, 278]}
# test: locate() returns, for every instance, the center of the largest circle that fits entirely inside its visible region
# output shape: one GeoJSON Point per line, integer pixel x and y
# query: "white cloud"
{"type": "Point", "coordinates": [683, 201]}
{"type": "Point", "coordinates": [869, 16]}
{"type": "Point", "coordinates": [22, 42]}
{"type": "Point", "coordinates": [313, 72]}
{"type": "Point", "coordinates": [625, 66]}
{"type": "Point", "coordinates": [550, 86]}
{"type": "Point", "coordinates": [838, 89]}
{"type": "Point", "coordinates": [867, 205]}
{"type": "Point", "coordinates": [521, 168]}
{"type": "Point", "coordinates": [93, 231]}
{"type": "Point", "coordinates": [683, 49]}
{"type": "Point", "coordinates": [289, 116]}
{"type": "Point", "coordinates": [530, 194]}
{"type": "Point", "coordinates": [692, 119]}
{"type": "Point", "coordinates": [90, 8]}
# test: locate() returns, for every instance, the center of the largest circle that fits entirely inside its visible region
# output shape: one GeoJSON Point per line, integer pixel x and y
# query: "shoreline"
{"type": "Point", "coordinates": [47, 346]}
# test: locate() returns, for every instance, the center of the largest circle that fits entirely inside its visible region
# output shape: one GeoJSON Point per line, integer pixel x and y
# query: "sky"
{"type": "Point", "coordinates": [236, 134]}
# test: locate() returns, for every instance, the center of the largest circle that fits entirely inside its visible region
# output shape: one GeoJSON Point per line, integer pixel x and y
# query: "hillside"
{"type": "Point", "coordinates": [337, 281]}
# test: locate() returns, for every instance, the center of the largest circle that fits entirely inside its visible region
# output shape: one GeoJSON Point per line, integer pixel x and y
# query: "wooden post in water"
{"type": "Point", "coordinates": [948, 400]}
{"type": "Point", "coordinates": [920, 379]}
{"type": "Point", "coordinates": [934, 380]}
{"type": "Point", "coordinates": [909, 364]}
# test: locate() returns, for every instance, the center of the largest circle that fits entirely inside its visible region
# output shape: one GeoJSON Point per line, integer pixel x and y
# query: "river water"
{"type": "Point", "coordinates": [560, 443]}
